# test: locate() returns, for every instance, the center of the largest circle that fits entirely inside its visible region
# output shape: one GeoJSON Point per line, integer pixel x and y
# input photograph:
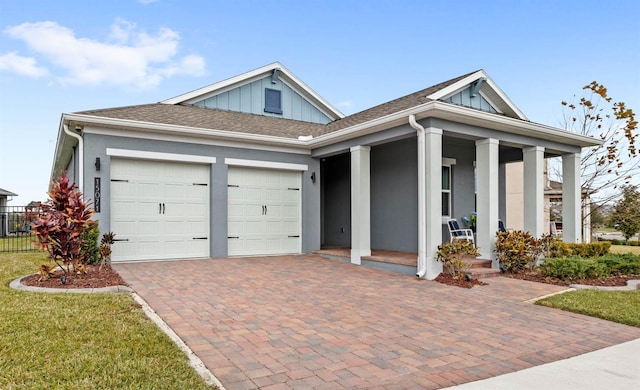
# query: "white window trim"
{"type": "Point", "coordinates": [265, 164]}
{"type": "Point", "coordinates": [144, 155]}
{"type": "Point", "coordinates": [448, 162]}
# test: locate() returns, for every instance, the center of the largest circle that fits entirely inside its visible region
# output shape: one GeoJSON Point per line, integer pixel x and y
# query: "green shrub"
{"type": "Point", "coordinates": [569, 249]}
{"type": "Point", "coordinates": [572, 268]}
{"type": "Point", "coordinates": [452, 256]}
{"type": "Point", "coordinates": [517, 250]}
{"type": "Point", "coordinates": [619, 264]}
{"type": "Point", "coordinates": [561, 249]}
{"type": "Point", "coordinates": [90, 243]}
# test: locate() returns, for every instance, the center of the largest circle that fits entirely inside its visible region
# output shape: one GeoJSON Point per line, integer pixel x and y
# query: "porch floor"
{"type": "Point", "coordinates": [392, 257]}
{"type": "Point", "coordinates": [480, 268]}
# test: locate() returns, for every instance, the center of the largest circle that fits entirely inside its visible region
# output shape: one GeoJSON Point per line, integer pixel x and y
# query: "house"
{"type": "Point", "coordinates": [514, 197]}
{"type": "Point", "coordinates": [4, 211]}
{"type": "Point", "coordinates": [260, 164]}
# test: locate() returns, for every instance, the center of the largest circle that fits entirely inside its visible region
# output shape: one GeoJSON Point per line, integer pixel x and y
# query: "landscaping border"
{"type": "Point", "coordinates": [16, 284]}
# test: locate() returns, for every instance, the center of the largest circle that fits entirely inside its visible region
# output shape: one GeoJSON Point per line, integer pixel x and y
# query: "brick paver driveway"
{"type": "Point", "coordinates": [307, 322]}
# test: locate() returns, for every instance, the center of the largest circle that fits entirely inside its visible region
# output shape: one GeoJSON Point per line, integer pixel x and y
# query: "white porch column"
{"type": "Point", "coordinates": [487, 158]}
{"type": "Point", "coordinates": [360, 203]}
{"type": "Point", "coordinates": [429, 201]}
{"type": "Point", "coordinates": [534, 190]}
{"type": "Point", "coordinates": [571, 210]}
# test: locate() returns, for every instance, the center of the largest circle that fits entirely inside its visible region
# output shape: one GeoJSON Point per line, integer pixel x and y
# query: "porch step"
{"type": "Point", "coordinates": [484, 273]}
{"type": "Point", "coordinates": [480, 263]}
{"type": "Point", "coordinates": [481, 269]}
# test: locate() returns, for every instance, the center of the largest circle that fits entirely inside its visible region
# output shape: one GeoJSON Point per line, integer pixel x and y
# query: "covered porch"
{"type": "Point", "coordinates": [394, 193]}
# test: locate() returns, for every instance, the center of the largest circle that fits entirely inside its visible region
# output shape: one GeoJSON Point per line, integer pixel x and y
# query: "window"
{"type": "Point", "coordinates": [272, 101]}
{"type": "Point", "coordinates": [446, 191]}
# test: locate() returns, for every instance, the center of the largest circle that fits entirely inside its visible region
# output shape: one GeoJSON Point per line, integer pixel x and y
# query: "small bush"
{"type": "Point", "coordinates": [627, 264]}
{"type": "Point", "coordinates": [90, 243]}
{"type": "Point", "coordinates": [572, 268]}
{"type": "Point", "coordinates": [568, 249]}
{"type": "Point", "coordinates": [517, 250]}
{"type": "Point", "coordinates": [452, 256]}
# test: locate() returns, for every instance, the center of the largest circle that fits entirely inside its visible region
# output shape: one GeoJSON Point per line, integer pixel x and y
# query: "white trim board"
{"type": "Point", "coordinates": [265, 164]}
{"type": "Point", "coordinates": [140, 154]}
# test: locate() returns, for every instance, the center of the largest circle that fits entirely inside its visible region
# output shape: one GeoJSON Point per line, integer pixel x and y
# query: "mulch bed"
{"type": "Point", "coordinates": [461, 282]}
{"type": "Point", "coordinates": [534, 276]}
{"type": "Point", "coordinates": [93, 278]}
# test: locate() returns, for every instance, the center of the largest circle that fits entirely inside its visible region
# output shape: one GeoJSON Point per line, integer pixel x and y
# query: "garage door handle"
{"type": "Point", "coordinates": [199, 238]}
{"type": "Point", "coordinates": [294, 236]}
{"type": "Point", "coordinates": [120, 239]}
{"type": "Point", "coordinates": [233, 237]}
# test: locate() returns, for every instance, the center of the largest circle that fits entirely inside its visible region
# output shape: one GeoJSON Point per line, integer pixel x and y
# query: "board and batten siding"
{"type": "Point", "coordinates": [249, 98]}
{"type": "Point", "coordinates": [463, 98]}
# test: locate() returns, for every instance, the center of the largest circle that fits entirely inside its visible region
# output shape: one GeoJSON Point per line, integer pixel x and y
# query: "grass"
{"type": "Point", "coordinates": [617, 306]}
{"type": "Point", "coordinates": [622, 249]}
{"type": "Point", "coordinates": [82, 341]}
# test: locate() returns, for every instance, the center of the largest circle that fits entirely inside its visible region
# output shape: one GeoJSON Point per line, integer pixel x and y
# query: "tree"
{"type": "Point", "coordinates": [61, 223]}
{"type": "Point", "coordinates": [611, 165]}
{"type": "Point", "coordinates": [627, 211]}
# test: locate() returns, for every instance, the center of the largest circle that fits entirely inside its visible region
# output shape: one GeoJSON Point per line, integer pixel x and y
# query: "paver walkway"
{"type": "Point", "coordinates": [307, 322]}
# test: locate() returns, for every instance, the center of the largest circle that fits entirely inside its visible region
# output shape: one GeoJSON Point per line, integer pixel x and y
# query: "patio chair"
{"type": "Point", "coordinates": [501, 227]}
{"type": "Point", "coordinates": [459, 234]}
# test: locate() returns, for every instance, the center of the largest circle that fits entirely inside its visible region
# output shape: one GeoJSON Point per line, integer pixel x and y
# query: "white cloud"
{"type": "Point", "coordinates": [25, 66]}
{"type": "Point", "coordinates": [345, 104]}
{"type": "Point", "coordinates": [129, 58]}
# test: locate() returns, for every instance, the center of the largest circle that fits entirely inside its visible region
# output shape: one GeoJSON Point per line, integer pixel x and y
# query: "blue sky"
{"type": "Point", "coordinates": [65, 56]}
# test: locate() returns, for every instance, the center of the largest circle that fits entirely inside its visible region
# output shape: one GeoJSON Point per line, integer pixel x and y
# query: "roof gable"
{"type": "Point", "coordinates": [480, 84]}
{"type": "Point", "coordinates": [256, 80]}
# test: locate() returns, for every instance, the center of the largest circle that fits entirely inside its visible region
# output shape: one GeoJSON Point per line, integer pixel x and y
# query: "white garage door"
{"type": "Point", "coordinates": [159, 209]}
{"type": "Point", "coordinates": [263, 211]}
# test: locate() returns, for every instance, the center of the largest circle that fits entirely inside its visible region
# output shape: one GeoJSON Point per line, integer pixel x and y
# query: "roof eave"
{"type": "Point", "coordinates": [184, 130]}
{"type": "Point", "coordinates": [459, 114]}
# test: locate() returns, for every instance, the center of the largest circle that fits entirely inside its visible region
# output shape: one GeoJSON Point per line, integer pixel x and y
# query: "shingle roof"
{"type": "Point", "coordinates": [4, 192]}
{"type": "Point", "coordinates": [215, 119]}
{"type": "Point", "coordinates": [402, 103]}
{"type": "Point", "coordinates": [207, 118]}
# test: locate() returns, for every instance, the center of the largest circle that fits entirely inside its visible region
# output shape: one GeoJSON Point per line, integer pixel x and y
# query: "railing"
{"type": "Point", "coordinates": [15, 228]}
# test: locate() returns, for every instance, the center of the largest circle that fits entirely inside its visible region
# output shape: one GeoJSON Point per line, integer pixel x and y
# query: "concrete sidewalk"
{"type": "Point", "coordinates": [616, 367]}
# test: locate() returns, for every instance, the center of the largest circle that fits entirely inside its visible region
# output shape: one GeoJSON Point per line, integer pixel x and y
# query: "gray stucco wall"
{"type": "Point", "coordinates": [96, 145]}
{"type": "Point", "coordinates": [394, 196]}
{"type": "Point", "coordinates": [336, 201]}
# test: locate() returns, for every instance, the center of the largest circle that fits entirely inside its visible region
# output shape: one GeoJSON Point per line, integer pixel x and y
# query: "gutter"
{"type": "Point", "coordinates": [422, 192]}
{"type": "Point", "coordinates": [80, 156]}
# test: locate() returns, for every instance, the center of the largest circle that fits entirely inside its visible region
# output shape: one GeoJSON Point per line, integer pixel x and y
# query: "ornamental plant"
{"type": "Point", "coordinates": [517, 250]}
{"type": "Point", "coordinates": [60, 225]}
{"type": "Point", "coordinates": [452, 256]}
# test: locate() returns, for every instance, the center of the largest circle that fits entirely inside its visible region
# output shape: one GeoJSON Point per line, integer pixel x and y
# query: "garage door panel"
{"type": "Point", "coordinates": [154, 232]}
{"type": "Point", "coordinates": [263, 210]}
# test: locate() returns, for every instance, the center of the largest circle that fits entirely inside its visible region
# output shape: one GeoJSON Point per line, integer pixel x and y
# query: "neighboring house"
{"type": "Point", "coordinates": [514, 210]}
{"type": "Point", "coordinates": [260, 164]}
{"type": "Point", "coordinates": [4, 211]}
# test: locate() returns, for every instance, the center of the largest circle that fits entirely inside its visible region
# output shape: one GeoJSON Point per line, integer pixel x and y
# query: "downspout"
{"type": "Point", "coordinates": [80, 157]}
{"type": "Point", "coordinates": [422, 190]}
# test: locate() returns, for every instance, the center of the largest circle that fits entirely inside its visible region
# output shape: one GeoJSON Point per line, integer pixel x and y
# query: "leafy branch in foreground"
{"type": "Point", "coordinates": [61, 223]}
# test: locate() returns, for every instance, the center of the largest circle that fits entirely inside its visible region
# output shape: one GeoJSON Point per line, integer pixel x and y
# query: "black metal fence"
{"type": "Point", "coordinates": [15, 228]}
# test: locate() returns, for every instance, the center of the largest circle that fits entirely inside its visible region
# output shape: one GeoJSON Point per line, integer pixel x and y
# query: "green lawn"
{"type": "Point", "coordinates": [625, 249]}
{"type": "Point", "coordinates": [616, 306]}
{"type": "Point", "coordinates": [82, 341]}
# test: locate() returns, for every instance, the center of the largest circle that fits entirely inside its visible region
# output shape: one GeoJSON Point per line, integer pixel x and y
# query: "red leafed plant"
{"type": "Point", "coordinates": [60, 224]}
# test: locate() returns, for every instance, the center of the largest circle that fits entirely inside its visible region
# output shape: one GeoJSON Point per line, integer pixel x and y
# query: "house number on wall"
{"type": "Point", "coordinates": [96, 194]}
